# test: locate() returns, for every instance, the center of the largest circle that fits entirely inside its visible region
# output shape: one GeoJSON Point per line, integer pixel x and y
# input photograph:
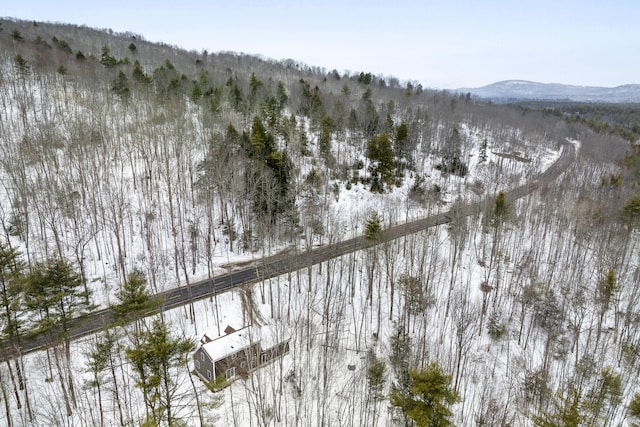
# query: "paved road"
{"type": "Point", "coordinates": [278, 265]}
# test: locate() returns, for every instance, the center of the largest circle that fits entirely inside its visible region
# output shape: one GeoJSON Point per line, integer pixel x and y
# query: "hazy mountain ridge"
{"type": "Point", "coordinates": [518, 90]}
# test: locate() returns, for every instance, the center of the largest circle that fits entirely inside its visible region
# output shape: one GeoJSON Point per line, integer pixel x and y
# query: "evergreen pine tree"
{"type": "Point", "coordinates": [451, 155]}
{"type": "Point", "coordinates": [282, 95]}
{"type": "Point", "coordinates": [375, 376]}
{"type": "Point", "coordinates": [567, 413]}
{"type": "Point", "coordinates": [11, 289]}
{"type": "Point", "coordinates": [483, 151]}
{"type": "Point", "coordinates": [634, 410]}
{"type": "Point", "coordinates": [401, 142]}
{"type": "Point", "coordinates": [429, 397]}
{"type": "Point", "coordinates": [607, 289]}
{"type": "Point", "coordinates": [324, 141]}
{"type": "Point", "coordinates": [400, 343]}
{"type": "Point", "coordinates": [135, 298]}
{"type": "Point", "coordinates": [500, 209]}
{"type": "Point", "coordinates": [138, 75]}
{"type": "Point", "coordinates": [376, 380]}
{"type": "Point", "coordinates": [15, 34]}
{"type": "Point", "coordinates": [605, 395]}
{"type": "Point", "coordinates": [254, 85]}
{"type": "Point", "coordinates": [631, 212]}
{"type": "Point", "coordinates": [106, 59]}
{"type": "Point", "coordinates": [373, 227]}
{"type": "Point", "coordinates": [21, 65]}
{"type": "Point", "coordinates": [496, 217]}
{"type": "Point", "coordinates": [155, 355]}
{"type": "Point", "coordinates": [97, 362]}
{"type": "Point", "coordinates": [55, 294]}
{"type": "Point", "coordinates": [120, 86]}
{"type": "Point", "coordinates": [382, 168]}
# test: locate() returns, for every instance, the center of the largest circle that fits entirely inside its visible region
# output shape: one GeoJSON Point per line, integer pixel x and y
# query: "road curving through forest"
{"type": "Point", "coordinates": [277, 265]}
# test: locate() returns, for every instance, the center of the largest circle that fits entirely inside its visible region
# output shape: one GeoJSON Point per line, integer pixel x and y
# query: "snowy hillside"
{"type": "Point", "coordinates": [129, 168]}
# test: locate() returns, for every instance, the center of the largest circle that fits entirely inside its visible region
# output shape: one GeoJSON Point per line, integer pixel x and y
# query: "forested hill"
{"type": "Point", "coordinates": [269, 140]}
{"type": "Point", "coordinates": [129, 167]}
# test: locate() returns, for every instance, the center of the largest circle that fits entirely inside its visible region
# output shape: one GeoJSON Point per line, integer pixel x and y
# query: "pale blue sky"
{"type": "Point", "coordinates": [442, 44]}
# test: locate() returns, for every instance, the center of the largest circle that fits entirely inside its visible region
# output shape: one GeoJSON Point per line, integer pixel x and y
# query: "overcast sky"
{"type": "Point", "coordinates": [441, 44]}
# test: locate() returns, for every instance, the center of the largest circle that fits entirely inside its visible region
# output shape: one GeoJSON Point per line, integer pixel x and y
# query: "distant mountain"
{"type": "Point", "coordinates": [522, 90]}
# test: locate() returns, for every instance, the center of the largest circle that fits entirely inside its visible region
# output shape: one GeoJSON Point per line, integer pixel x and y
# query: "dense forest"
{"type": "Point", "coordinates": [618, 119]}
{"type": "Point", "coordinates": [130, 167]}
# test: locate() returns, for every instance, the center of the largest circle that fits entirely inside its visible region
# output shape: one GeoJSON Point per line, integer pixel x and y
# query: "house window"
{"type": "Point", "coordinates": [243, 364]}
{"type": "Point", "coordinates": [208, 374]}
{"type": "Point", "coordinates": [202, 356]}
{"type": "Point", "coordinates": [264, 357]}
{"type": "Point", "coordinates": [197, 363]}
{"type": "Point", "coordinates": [234, 356]}
{"type": "Point", "coordinates": [231, 372]}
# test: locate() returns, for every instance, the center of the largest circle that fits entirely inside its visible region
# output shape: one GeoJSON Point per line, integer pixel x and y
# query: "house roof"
{"type": "Point", "coordinates": [230, 343]}
{"type": "Point", "coordinates": [236, 340]}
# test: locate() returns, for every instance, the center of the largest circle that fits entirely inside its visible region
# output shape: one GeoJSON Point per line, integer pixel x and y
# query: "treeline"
{"type": "Point", "coordinates": [622, 120]}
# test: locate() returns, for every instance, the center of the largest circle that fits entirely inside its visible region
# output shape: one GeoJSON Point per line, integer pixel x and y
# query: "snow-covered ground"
{"type": "Point", "coordinates": [482, 309]}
